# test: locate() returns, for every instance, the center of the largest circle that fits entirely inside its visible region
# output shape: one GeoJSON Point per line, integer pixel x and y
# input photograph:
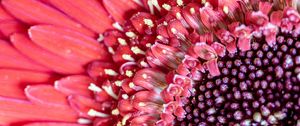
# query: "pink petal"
{"type": "Point", "coordinates": [45, 95]}
{"type": "Point", "coordinates": [88, 12]}
{"type": "Point", "coordinates": [244, 44]}
{"type": "Point", "coordinates": [82, 105]}
{"type": "Point", "coordinates": [76, 84]}
{"type": "Point", "coordinates": [143, 23]}
{"type": "Point", "coordinates": [205, 51]}
{"type": "Point", "coordinates": [265, 7]}
{"type": "Point", "coordinates": [120, 10]}
{"type": "Point", "coordinates": [212, 66]}
{"type": "Point", "coordinates": [54, 62]}
{"type": "Point", "coordinates": [67, 43]}
{"type": "Point", "coordinates": [11, 58]}
{"type": "Point", "coordinates": [9, 27]}
{"type": "Point", "coordinates": [219, 48]}
{"type": "Point", "coordinates": [276, 17]}
{"type": "Point", "coordinates": [35, 12]}
{"type": "Point", "coordinates": [52, 124]}
{"type": "Point", "coordinates": [4, 15]}
{"type": "Point", "coordinates": [14, 110]}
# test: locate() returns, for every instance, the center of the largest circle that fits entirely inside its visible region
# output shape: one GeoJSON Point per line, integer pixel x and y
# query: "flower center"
{"type": "Point", "coordinates": [259, 86]}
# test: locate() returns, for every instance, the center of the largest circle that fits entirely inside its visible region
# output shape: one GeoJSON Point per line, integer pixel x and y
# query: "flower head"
{"type": "Point", "coordinates": [150, 62]}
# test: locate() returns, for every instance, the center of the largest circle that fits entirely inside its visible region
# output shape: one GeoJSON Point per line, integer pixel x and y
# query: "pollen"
{"type": "Point", "coordinates": [115, 112]}
{"type": "Point", "coordinates": [110, 72]}
{"type": "Point", "coordinates": [179, 2]}
{"type": "Point", "coordinates": [118, 83]}
{"type": "Point", "coordinates": [129, 73]}
{"type": "Point", "coordinates": [148, 22]}
{"type": "Point", "coordinates": [117, 26]}
{"type": "Point", "coordinates": [94, 113]}
{"type": "Point", "coordinates": [137, 50]}
{"type": "Point", "coordinates": [127, 57]}
{"type": "Point", "coordinates": [166, 6]}
{"type": "Point", "coordinates": [130, 34]}
{"type": "Point", "coordinates": [94, 88]}
{"type": "Point", "coordinates": [122, 41]}
{"type": "Point", "coordinates": [225, 9]}
{"type": "Point", "coordinates": [131, 85]}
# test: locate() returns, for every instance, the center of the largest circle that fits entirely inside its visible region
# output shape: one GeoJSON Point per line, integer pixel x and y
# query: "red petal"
{"type": "Point", "coordinates": [76, 84]}
{"type": "Point", "coordinates": [219, 48]}
{"type": "Point", "coordinates": [52, 124]}
{"type": "Point", "coordinates": [244, 44]}
{"type": "Point", "coordinates": [13, 110]}
{"type": "Point", "coordinates": [265, 7]}
{"type": "Point", "coordinates": [4, 15]}
{"type": "Point", "coordinates": [11, 58]}
{"type": "Point", "coordinates": [205, 51]}
{"type": "Point", "coordinates": [45, 95]}
{"type": "Point", "coordinates": [143, 23]}
{"type": "Point", "coordinates": [120, 10]}
{"type": "Point", "coordinates": [212, 66]}
{"type": "Point", "coordinates": [35, 12]}
{"type": "Point", "coordinates": [67, 43]}
{"type": "Point", "coordinates": [54, 62]}
{"type": "Point", "coordinates": [276, 17]}
{"type": "Point", "coordinates": [9, 27]}
{"type": "Point", "coordinates": [150, 79]}
{"type": "Point", "coordinates": [82, 105]}
{"type": "Point", "coordinates": [88, 12]}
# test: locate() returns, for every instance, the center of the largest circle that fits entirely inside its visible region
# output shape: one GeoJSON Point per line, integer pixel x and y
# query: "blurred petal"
{"type": "Point", "coordinates": [88, 12]}
{"type": "Point", "coordinates": [54, 62]}
{"type": "Point", "coordinates": [52, 124]}
{"type": "Point", "coordinates": [67, 43]}
{"type": "Point", "coordinates": [35, 12]}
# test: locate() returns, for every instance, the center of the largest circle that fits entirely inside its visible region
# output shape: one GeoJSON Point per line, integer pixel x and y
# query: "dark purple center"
{"type": "Point", "coordinates": [257, 87]}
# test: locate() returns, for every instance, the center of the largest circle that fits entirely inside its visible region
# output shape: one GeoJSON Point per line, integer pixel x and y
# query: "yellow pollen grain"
{"type": "Point", "coordinates": [131, 85]}
{"type": "Point", "coordinates": [118, 83]}
{"type": "Point", "coordinates": [94, 87]}
{"type": "Point", "coordinates": [111, 50]}
{"type": "Point", "coordinates": [130, 34]}
{"type": "Point", "coordinates": [192, 10]}
{"type": "Point", "coordinates": [148, 22]}
{"type": "Point", "coordinates": [115, 112]}
{"type": "Point", "coordinates": [179, 2]}
{"type": "Point", "coordinates": [127, 57]}
{"type": "Point", "coordinates": [129, 73]}
{"type": "Point", "coordinates": [122, 41]}
{"type": "Point", "coordinates": [148, 45]}
{"type": "Point", "coordinates": [94, 113]}
{"type": "Point", "coordinates": [178, 15]}
{"type": "Point", "coordinates": [225, 9]}
{"type": "Point", "coordinates": [166, 6]}
{"type": "Point", "coordinates": [137, 50]}
{"type": "Point", "coordinates": [110, 72]}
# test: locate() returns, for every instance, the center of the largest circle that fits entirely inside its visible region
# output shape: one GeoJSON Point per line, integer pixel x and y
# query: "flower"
{"type": "Point", "coordinates": [149, 62]}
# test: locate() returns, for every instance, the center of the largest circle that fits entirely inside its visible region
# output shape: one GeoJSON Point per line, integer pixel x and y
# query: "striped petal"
{"type": "Point", "coordinates": [88, 12]}
{"type": "Point", "coordinates": [35, 12]}
{"type": "Point", "coordinates": [48, 59]}
{"type": "Point", "coordinates": [11, 58]}
{"type": "Point", "coordinates": [68, 44]}
{"type": "Point", "coordinates": [10, 26]}
{"type": "Point", "coordinates": [14, 110]}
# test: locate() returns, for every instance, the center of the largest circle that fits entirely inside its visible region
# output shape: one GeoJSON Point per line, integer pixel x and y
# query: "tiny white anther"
{"type": "Point", "coordinates": [117, 26]}
{"type": "Point", "coordinates": [144, 64]}
{"type": "Point", "coordinates": [125, 96]}
{"type": "Point", "coordinates": [100, 38]}
{"type": "Point", "coordinates": [95, 113]}
{"type": "Point", "coordinates": [173, 30]}
{"type": "Point", "coordinates": [122, 41]}
{"type": "Point", "coordinates": [179, 2]}
{"type": "Point", "coordinates": [110, 72]}
{"type": "Point", "coordinates": [145, 76]}
{"type": "Point", "coordinates": [178, 15]}
{"type": "Point", "coordinates": [94, 88]}
{"type": "Point", "coordinates": [142, 104]}
{"type": "Point", "coordinates": [166, 6]}
{"type": "Point", "coordinates": [109, 91]}
{"type": "Point", "coordinates": [118, 83]}
{"type": "Point", "coordinates": [225, 9]}
{"type": "Point", "coordinates": [159, 37]}
{"type": "Point", "coordinates": [129, 73]}
{"type": "Point", "coordinates": [137, 50]}
{"type": "Point", "coordinates": [115, 112]}
{"type": "Point", "coordinates": [192, 10]}
{"type": "Point", "coordinates": [111, 50]}
{"type": "Point", "coordinates": [127, 57]}
{"type": "Point", "coordinates": [148, 45]}
{"type": "Point", "coordinates": [130, 34]}
{"type": "Point", "coordinates": [148, 22]}
{"type": "Point", "coordinates": [84, 121]}
{"type": "Point", "coordinates": [131, 85]}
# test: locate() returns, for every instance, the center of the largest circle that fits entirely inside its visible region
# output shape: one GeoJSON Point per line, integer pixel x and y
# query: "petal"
{"type": "Point", "coordinates": [52, 124]}
{"type": "Point", "coordinates": [88, 12]}
{"type": "Point", "coordinates": [14, 110]}
{"type": "Point", "coordinates": [4, 15]}
{"type": "Point", "coordinates": [205, 51]}
{"type": "Point", "coordinates": [68, 43]}
{"type": "Point", "coordinates": [219, 48]}
{"type": "Point", "coordinates": [45, 95]}
{"type": "Point", "coordinates": [76, 84]}
{"type": "Point", "coordinates": [212, 66]}
{"type": "Point", "coordinates": [121, 9]}
{"type": "Point", "coordinates": [11, 58]}
{"type": "Point", "coordinates": [9, 27]}
{"type": "Point", "coordinates": [82, 105]}
{"type": "Point", "coordinates": [35, 12]}
{"type": "Point", "coordinates": [275, 17]}
{"type": "Point", "coordinates": [54, 62]}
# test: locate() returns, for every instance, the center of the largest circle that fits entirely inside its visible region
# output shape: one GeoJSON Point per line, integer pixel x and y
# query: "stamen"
{"type": "Point", "coordinates": [192, 10]}
{"type": "Point", "coordinates": [94, 113]}
{"type": "Point", "coordinates": [179, 2]}
{"type": "Point", "coordinates": [125, 96]}
{"type": "Point", "coordinates": [144, 64]}
{"type": "Point", "coordinates": [148, 45]}
{"type": "Point", "coordinates": [166, 6]}
{"type": "Point", "coordinates": [137, 50]}
{"type": "Point", "coordinates": [225, 9]}
{"type": "Point", "coordinates": [84, 121]}
{"type": "Point", "coordinates": [148, 22]}
{"type": "Point", "coordinates": [94, 88]}
{"type": "Point", "coordinates": [125, 118]}
{"type": "Point", "coordinates": [109, 91]}
{"type": "Point", "coordinates": [122, 41]}
{"type": "Point", "coordinates": [127, 57]}
{"type": "Point", "coordinates": [130, 34]}
{"type": "Point", "coordinates": [117, 26]}
{"type": "Point", "coordinates": [118, 83]}
{"type": "Point", "coordinates": [131, 85]}
{"type": "Point", "coordinates": [115, 111]}
{"type": "Point", "coordinates": [110, 72]}
{"type": "Point", "coordinates": [178, 15]}
{"type": "Point", "coordinates": [129, 73]}
{"type": "Point", "coordinates": [111, 50]}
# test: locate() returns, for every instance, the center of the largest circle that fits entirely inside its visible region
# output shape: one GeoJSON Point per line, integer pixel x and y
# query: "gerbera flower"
{"type": "Point", "coordinates": [149, 62]}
